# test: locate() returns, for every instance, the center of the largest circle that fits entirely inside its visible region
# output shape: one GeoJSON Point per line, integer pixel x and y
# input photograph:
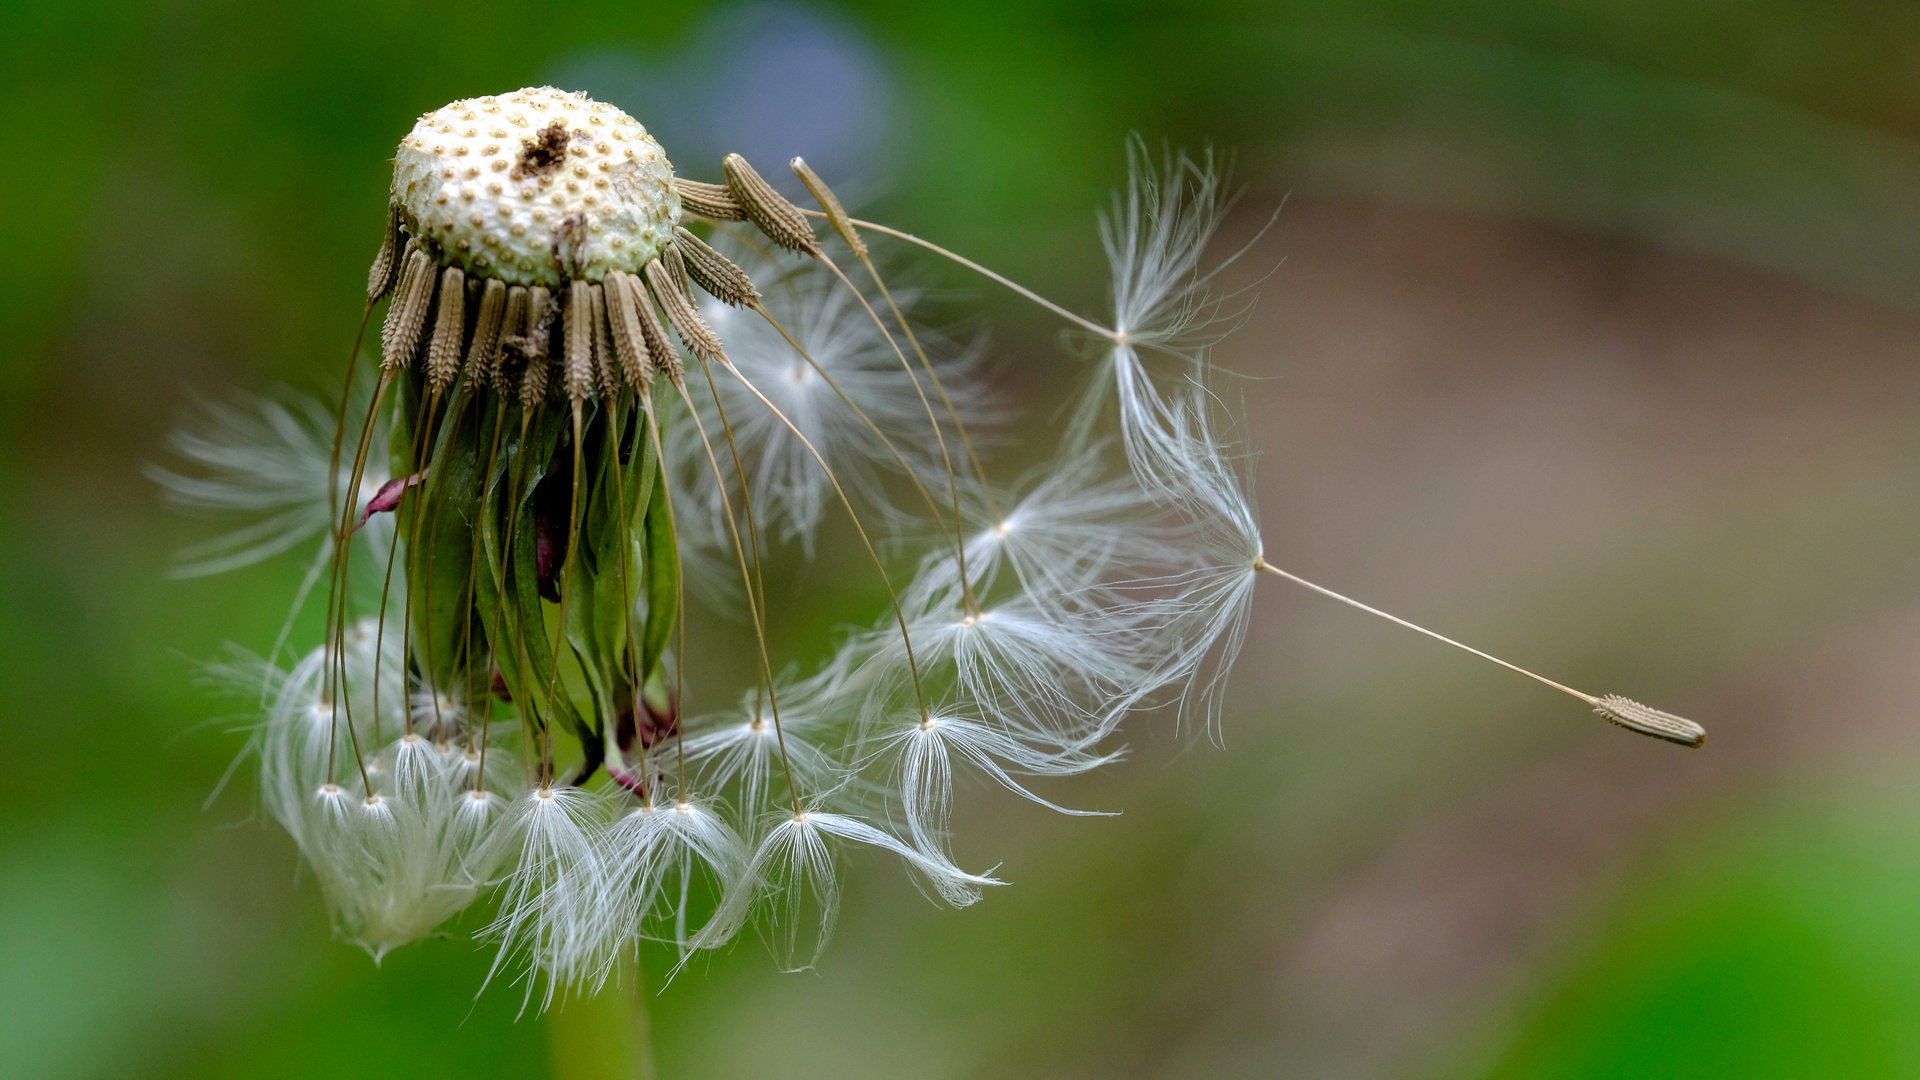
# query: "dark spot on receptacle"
{"type": "Point", "coordinates": [542, 153]}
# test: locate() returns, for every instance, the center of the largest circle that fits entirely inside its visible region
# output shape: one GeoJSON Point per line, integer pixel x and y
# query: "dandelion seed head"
{"type": "Point", "coordinates": [619, 222]}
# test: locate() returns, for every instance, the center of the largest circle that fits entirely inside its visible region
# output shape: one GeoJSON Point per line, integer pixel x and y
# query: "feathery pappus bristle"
{"type": "Point", "coordinates": [1648, 720]}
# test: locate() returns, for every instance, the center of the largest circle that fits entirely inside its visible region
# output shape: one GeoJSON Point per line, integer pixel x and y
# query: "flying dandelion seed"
{"type": "Point", "coordinates": [579, 400]}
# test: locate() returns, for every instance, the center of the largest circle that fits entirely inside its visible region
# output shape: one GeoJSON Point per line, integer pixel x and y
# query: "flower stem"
{"type": "Point", "coordinates": [607, 1036]}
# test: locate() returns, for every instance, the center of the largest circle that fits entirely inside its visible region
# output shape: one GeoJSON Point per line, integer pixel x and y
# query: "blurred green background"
{"type": "Point", "coordinates": [1586, 333]}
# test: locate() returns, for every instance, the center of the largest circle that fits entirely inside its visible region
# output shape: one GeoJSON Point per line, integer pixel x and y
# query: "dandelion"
{"type": "Point", "coordinates": [579, 402]}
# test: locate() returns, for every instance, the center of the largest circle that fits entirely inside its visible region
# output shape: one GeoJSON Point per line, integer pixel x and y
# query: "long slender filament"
{"type": "Point", "coordinates": [753, 607]}
{"type": "Point", "coordinates": [466, 632]}
{"type": "Point", "coordinates": [1260, 563]}
{"type": "Point", "coordinates": [746, 489]}
{"type": "Point", "coordinates": [343, 700]}
{"type": "Point", "coordinates": [953, 413]}
{"type": "Point", "coordinates": [566, 579]}
{"type": "Point", "coordinates": [524, 704]}
{"type": "Point", "coordinates": [939, 437]}
{"type": "Point", "coordinates": [333, 479]}
{"type": "Point", "coordinates": [456, 411]}
{"type": "Point", "coordinates": [933, 505]}
{"type": "Point", "coordinates": [906, 639]}
{"type": "Point", "coordinates": [1112, 335]}
{"type": "Point", "coordinates": [427, 405]}
{"type": "Point", "coordinates": [626, 604]}
{"type": "Point", "coordinates": [679, 595]}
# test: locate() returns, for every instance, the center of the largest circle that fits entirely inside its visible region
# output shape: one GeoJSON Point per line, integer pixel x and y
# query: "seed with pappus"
{"type": "Point", "coordinates": [599, 383]}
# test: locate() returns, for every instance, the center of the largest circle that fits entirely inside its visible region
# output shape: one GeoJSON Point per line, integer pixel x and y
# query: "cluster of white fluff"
{"type": "Point", "coordinates": [1113, 578]}
{"type": "Point", "coordinates": [845, 352]}
{"type": "Point", "coordinates": [404, 845]}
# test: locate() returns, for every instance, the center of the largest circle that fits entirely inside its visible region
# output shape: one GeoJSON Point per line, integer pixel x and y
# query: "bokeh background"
{"type": "Point", "coordinates": [1586, 332]}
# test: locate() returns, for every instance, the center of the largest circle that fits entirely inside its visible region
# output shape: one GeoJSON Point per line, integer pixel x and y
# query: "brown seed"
{"type": "Point", "coordinates": [629, 340]}
{"type": "Point", "coordinates": [533, 384]}
{"type": "Point", "coordinates": [713, 271]}
{"type": "Point", "coordinates": [579, 354]}
{"type": "Point", "coordinates": [782, 221]}
{"type": "Point", "coordinates": [666, 359]}
{"type": "Point", "coordinates": [836, 214]}
{"type": "Point", "coordinates": [542, 311]}
{"type": "Point", "coordinates": [483, 356]}
{"type": "Point", "coordinates": [513, 330]}
{"type": "Point", "coordinates": [694, 332]}
{"type": "Point", "coordinates": [532, 345]}
{"type": "Point", "coordinates": [407, 316]}
{"type": "Point", "coordinates": [1647, 720]}
{"type": "Point", "coordinates": [677, 266]}
{"type": "Point", "coordinates": [386, 264]}
{"type": "Point", "coordinates": [391, 325]}
{"type": "Point", "coordinates": [711, 201]}
{"type": "Point", "coordinates": [449, 326]}
{"type": "Point", "coordinates": [606, 370]}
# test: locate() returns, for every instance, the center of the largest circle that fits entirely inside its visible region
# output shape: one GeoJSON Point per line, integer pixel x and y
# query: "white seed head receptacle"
{"type": "Point", "coordinates": [522, 186]}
